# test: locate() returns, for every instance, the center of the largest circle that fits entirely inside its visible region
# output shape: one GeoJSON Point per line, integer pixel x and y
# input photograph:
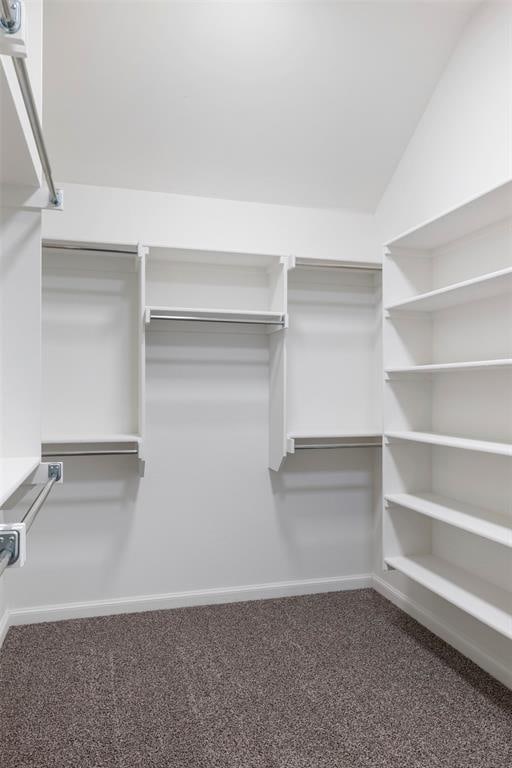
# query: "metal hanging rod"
{"type": "Point", "coordinates": [336, 445]}
{"type": "Point", "coordinates": [11, 540]}
{"type": "Point", "coordinates": [10, 25]}
{"type": "Point", "coordinates": [121, 452]}
{"type": "Point", "coordinates": [334, 264]}
{"type": "Point", "coordinates": [87, 248]}
{"type": "Point", "coordinates": [217, 320]}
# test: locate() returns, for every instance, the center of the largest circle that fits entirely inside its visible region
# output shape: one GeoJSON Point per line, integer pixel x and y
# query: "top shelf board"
{"type": "Point", "coordinates": [483, 287]}
{"type": "Point", "coordinates": [484, 211]}
{"type": "Point", "coordinates": [221, 258]}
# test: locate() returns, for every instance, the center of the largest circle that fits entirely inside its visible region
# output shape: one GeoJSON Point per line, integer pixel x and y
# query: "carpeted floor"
{"type": "Point", "coordinates": [342, 680]}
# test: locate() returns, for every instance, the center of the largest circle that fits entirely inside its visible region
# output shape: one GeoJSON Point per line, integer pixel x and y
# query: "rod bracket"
{"type": "Point", "coordinates": [13, 538]}
{"type": "Point", "coordinates": [12, 31]}
{"type": "Point", "coordinates": [45, 471]}
{"type": "Point", "coordinates": [56, 203]}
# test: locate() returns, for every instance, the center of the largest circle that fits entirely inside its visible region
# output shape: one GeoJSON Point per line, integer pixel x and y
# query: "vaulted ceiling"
{"type": "Point", "coordinates": [297, 103]}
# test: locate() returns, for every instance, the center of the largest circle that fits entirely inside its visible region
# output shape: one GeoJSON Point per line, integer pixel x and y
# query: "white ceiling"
{"type": "Point", "coordinates": [299, 103]}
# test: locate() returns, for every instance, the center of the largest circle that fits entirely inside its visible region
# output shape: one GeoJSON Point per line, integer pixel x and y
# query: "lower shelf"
{"type": "Point", "coordinates": [339, 440]}
{"type": "Point", "coordinates": [91, 445]}
{"type": "Point", "coordinates": [467, 517]}
{"type": "Point", "coordinates": [486, 602]}
{"type": "Point", "coordinates": [13, 473]}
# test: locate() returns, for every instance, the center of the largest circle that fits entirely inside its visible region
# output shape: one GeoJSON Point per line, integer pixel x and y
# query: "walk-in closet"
{"type": "Point", "coordinates": [255, 384]}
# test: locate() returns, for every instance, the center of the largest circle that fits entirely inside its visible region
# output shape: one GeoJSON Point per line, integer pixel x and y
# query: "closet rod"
{"type": "Point", "coordinates": [337, 445]}
{"type": "Point", "coordinates": [54, 475]}
{"type": "Point", "coordinates": [333, 264]}
{"type": "Point", "coordinates": [217, 320]}
{"type": "Point", "coordinates": [11, 25]}
{"type": "Point", "coordinates": [87, 249]}
{"type": "Point", "coordinates": [128, 451]}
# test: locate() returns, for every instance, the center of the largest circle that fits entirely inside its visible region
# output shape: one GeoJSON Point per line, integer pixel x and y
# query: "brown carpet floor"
{"type": "Point", "coordinates": [342, 680]}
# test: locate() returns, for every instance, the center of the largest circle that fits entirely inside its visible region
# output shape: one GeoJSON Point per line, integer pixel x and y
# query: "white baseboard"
{"type": "Point", "coordinates": [446, 633]}
{"type": "Point", "coordinates": [185, 599]}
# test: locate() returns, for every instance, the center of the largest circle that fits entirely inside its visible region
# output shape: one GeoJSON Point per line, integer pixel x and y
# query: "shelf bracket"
{"type": "Point", "coordinates": [12, 27]}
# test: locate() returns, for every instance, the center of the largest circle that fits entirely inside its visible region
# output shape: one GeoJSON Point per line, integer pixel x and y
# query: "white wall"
{"type": "Point", "coordinates": [208, 515]}
{"type": "Point", "coordinates": [463, 143]}
{"type": "Point", "coordinates": [462, 147]}
{"type": "Point", "coordinates": [123, 215]}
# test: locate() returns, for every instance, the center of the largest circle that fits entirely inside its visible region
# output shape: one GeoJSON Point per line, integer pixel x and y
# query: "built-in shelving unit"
{"type": "Point", "coordinates": [333, 356]}
{"type": "Point", "coordinates": [93, 344]}
{"type": "Point", "coordinates": [447, 518]}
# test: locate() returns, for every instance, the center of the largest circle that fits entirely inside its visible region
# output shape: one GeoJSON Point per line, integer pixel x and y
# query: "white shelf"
{"type": "Point", "coordinates": [487, 602]}
{"type": "Point", "coordinates": [90, 439]}
{"type": "Point", "coordinates": [485, 210]}
{"type": "Point", "coordinates": [483, 287]}
{"type": "Point", "coordinates": [13, 472]}
{"type": "Point", "coordinates": [448, 441]}
{"type": "Point", "coordinates": [473, 365]}
{"type": "Point", "coordinates": [250, 317]}
{"type": "Point", "coordinates": [333, 440]}
{"type": "Point", "coordinates": [481, 522]}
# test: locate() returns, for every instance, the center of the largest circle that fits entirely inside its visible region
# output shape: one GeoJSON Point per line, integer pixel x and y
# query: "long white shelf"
{"type": "Point", "coordinates": [481, 522]}
{"type": "Point", "coordinates": [448, 441]}
{"type": "Point", "coordinates": [13, 472]}
{"type": "Point", "coordinates": [483, 287]}
{"type": "Point", "coordinates": [90, 439]}
{"type": "Point", "coordinates": [246, 317]}
{"type": "Point", "coordinates": [472, 365]}
{"type": "Point", "coordinates": [488, 603]}
{"type": "Point", "coordinates": [482, 211]}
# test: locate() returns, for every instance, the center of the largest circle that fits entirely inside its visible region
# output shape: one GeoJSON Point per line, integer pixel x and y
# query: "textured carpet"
{"type": "Point", "coordinates": [341, 680]}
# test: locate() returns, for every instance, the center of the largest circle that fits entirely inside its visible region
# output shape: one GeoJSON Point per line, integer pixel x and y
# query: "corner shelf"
{"type": "Point", "coordinates": [449, 441]}
{"type": "Point", "coordinates": [483, 287]}
{"type": "Point", "coordinates": [338, 440]}
{"type": "Point", "coordinates": [490, 604]}
{"type": "Point", "coordinates": [481, 522]}
{"type": "Point", "coordinates": [201, 315]}
{"type": "Point", "coordinates": [13, 473]}
{"type": "Point", "coordinates": [472, 365]}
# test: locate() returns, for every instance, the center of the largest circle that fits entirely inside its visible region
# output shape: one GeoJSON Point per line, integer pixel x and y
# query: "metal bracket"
{"type": "Point", "coordinates": [12, 31]}
{"type": "Point", "coordinates": [12, 25]}
{"type": "Point", "coordinates": [46, 471]}
{"type": "Point", "coordinates": [13, 538]}
{"type": "Point", "coordinates": [56, 204]}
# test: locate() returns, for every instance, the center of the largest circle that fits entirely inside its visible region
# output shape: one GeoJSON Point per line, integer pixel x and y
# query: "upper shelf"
{"type": "Point", "coordinates": [483, 287]}
{"type": "Point", "coordinates": [241, 317]}
{"type": "Point", "coordinates": [449, 441]}
{"type": "Point", "coordinates": [13, 472]}
{"type": "Point", "coordinates": [471, 365]}
{"type": "Point", "coordinates": [476, 214]}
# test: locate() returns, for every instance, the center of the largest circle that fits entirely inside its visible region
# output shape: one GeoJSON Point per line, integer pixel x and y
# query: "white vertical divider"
{"type": "Point", "coordinates": [142, 252]}
{"type": "Point", "coordinates": [277, 368]}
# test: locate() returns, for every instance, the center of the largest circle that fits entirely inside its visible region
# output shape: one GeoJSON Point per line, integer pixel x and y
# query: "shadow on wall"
{"type": "Point", "coordinates": [325, 508]}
